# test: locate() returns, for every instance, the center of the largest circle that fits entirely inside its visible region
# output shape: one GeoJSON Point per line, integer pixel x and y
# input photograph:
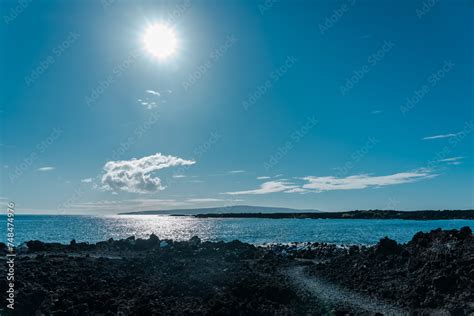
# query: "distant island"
{"type": "Point", "coordinates": [367, 214]}
{"type": "Point", "coordinates": [247, 209]}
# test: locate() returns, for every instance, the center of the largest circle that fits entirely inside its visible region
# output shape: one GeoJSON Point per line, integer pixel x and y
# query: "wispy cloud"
{"type": "Point", "coordinates": [151, 101]}
{"type": "Point", "coordinates": [362, 181]}
{"type": "Point", "coordinates": [87, 180]}
{"type": "Point", "coordinates": [441, 136]}
{"type": "Point", "coordinates": [451, 159]}
{"type": "Point", "coordinates": [148, 104]}
{"type": "Point", "coordinates": [204, 200]}
{"type": "Point", "coordinates": [177, 176]}
{"type": "Point", "coordinates": [268, 187]}
{"type": "Point", "coordinates": [331, 183]}
{"type": "Point", "coordinates": [44, 169]}
{"type": "Point", "coordinates": [237, 171]}
{"type": "Point", "coordinates": [153, 92]}
{"type": "Point", "coordinates": [376, 112]}
{"type": "Point", "coordinates": [263, 178]}
{"type": "Point", "coordinates": [136, 175]}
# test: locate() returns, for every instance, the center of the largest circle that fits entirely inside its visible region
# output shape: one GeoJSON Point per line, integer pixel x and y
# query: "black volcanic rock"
{"type": "Point", "coordinates": [387, 246]}
{"type": "Point", "coordinates": [186, 277]}
{"type": "Point", "coordinates": [36, 245]}
{"type": "Point", "coordinates": [432, 271]}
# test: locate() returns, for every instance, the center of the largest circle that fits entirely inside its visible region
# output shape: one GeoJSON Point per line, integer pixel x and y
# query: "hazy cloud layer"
{"type": "Point", "coordinates": [136, 175]}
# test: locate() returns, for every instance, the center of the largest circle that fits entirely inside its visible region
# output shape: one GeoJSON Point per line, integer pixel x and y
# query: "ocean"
{"type": "Point", "coordinates": [63, 229]}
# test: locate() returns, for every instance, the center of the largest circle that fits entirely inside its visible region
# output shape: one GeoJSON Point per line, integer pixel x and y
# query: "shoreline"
{"type": "Point", "coordinates": [351, 215]}
{"type": "Point", "coordinates": [431, 272]}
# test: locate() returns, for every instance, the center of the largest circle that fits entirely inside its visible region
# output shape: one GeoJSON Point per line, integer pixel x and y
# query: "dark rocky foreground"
{"type": "Point", "coordinates": [432, 274]}
{"type": "Point", "coordinates": [153, 277]}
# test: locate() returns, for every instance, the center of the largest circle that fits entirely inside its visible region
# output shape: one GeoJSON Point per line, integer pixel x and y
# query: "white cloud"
{"type": "Point", "coordinates": [136, 175]}
{"type": "Point", "coordinates": [45, 169]}
{"type": "Point", "coordinates": [297, 190]}
{"type": "Point", "coordinates": [452, 159]}
{"type": "Point", "coordinates": [153, 92]}
{"type": "Point", "coordinates": [331, 183]}
{"type": "Point", "coordinates": [87, 180]}
{"type": "Point", "coordinates": [263, 178]}
{"type": "Point", "coordinates": [179, 176]}
{"type": "Point", "coordinates": [376, 112]}
{"type": "Point", "coordinates": [204, 200]}
{"type": "Point", "coordinates": [237, 171]}
{"type": "Point", "coordinates": [148, 104]}
{"type": "Point", "coordinates": [268, 187]}
{"type": "Point", "coordinates": [320, 184]}
{"type": "Point", "coordinates": [441, 136]}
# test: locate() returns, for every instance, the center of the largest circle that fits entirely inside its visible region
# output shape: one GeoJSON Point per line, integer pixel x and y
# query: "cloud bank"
{"type": "Point", "coordinates": [137, 175]}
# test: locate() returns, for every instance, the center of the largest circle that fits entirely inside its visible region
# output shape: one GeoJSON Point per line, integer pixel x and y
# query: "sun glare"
{"type": "Point", "coordinates": [160, 41]}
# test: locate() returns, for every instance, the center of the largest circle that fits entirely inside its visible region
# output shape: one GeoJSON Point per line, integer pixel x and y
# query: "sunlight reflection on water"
{"type": "Point", "coordinates": [258, 231]}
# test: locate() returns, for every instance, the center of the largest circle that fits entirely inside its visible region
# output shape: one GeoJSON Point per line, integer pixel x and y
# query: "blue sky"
{"type": "Point", "coordinates": [316, 105]}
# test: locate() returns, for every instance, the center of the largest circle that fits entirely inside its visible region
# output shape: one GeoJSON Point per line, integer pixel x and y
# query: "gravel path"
{"type": "Point", "coordinates": [337, 296]}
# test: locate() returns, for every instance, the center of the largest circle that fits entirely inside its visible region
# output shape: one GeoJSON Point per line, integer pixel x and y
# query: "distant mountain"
{"type": "Point", "coordinates": [222, 210]}
{"type": "Point", "coordinates": [366, 214]}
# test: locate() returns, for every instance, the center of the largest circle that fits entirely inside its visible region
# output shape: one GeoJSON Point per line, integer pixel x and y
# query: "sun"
{"type": "Point", "coordinates": [160, 40]}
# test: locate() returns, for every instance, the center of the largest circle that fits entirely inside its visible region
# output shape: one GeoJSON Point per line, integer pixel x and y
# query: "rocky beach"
{"type": "Point", "coordinates": [433, 274]}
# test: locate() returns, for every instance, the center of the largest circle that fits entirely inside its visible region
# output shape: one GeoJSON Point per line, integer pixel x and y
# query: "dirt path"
{"type": "Point", "coordinates": [338, 296]}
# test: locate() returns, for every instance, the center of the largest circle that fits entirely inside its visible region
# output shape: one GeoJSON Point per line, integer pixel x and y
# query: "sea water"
{"type": "Point", "coordinates": [63, 229]}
